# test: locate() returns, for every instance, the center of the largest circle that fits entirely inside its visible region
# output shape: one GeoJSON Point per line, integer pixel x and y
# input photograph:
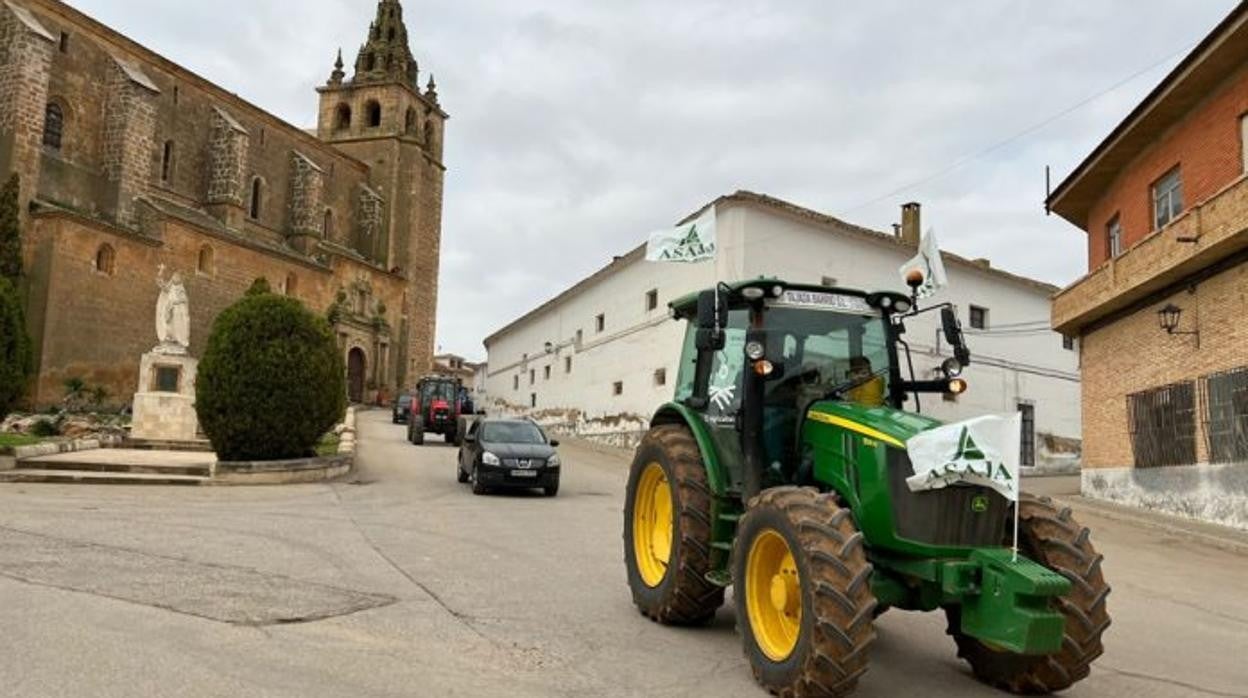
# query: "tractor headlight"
{"type": "Point", "coordinates": [752, 293]}
{"type": "Point", "coordinates": [490, 459]}
{"type": "Point", "coordinates": [957, 386]}
{"type": "Point", "coordinates": [553, 461]}
{"type": "Point", "coordinates": [901, 305]}
{"type": "Point", "coordinates": [951, 368]}
{"type": "Point", "coordinates": [755, 350]}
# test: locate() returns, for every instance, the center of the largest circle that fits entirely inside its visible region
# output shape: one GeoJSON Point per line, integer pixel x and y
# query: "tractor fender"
{"type": "Point", "coordinates": [676, 413]}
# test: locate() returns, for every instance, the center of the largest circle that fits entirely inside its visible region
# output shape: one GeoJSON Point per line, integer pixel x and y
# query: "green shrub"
{"type": "Point", "coordinates": [10, 231]}
{"type": "Point", "coordinates": [271, 381]}
{"type": "Point", "coordinates": [44, 428]}
{"type": "Point", "coordinates": [15, 349]}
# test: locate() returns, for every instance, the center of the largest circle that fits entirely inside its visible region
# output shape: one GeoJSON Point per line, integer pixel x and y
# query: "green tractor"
{"type": "Point", "coordinates": [780, 469]}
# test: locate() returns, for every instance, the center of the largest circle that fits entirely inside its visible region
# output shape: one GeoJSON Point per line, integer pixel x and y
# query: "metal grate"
{"type": "Point", "coordinates": [1226, 415]}
{"type": "Point", "coordinates": [1163, 425]}
{"type": "Point", "coordinates": [1028, 441]}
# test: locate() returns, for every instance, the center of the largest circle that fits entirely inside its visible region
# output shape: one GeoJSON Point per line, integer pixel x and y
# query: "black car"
{"type": "Point", "coordinates": [508, 453]}
{"type": "Point", "coordinates": [402, 409]}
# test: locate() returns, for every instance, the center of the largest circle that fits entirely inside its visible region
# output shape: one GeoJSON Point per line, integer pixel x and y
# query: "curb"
{"type": "Point", "coordinates": [1228, 539]}
{"type": "Point", "coordinates": [53, 448]}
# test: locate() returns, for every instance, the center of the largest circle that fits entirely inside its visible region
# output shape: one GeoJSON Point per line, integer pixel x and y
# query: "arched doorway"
{"type": "Point", "coordinates": [355, 375]}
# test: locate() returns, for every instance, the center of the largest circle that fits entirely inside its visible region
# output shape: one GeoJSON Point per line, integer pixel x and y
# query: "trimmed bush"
{"type": "Point", "coordinates": [10, 231]}
{"type": "Point", "coordinates": [15, 349]}
{"type": "Point", "coordinates": [271, 382]}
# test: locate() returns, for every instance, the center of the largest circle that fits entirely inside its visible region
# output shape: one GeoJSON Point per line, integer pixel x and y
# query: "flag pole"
{"type": "Point", "coordinates": [1018, 504]}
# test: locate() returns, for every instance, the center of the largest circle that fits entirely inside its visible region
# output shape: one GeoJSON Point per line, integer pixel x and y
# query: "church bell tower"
{"type": "Point", "coordinates": [381, 116]}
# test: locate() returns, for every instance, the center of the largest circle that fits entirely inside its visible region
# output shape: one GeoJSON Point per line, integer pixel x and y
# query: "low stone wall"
{"type": "Point", "coordinates": [52, 448]}
{"type": "Point", "coordinates": [1211, 493]}
{"type": "Point", "coordinates": [283, 472]}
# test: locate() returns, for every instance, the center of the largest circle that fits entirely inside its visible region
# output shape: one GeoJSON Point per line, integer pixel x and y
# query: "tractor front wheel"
{"type": "Point", "coordinates": [803, 593]}
{"type": "Point", "coordinates": [1050, 537]}
{"type": "Point", "coordinates": [667, 530]}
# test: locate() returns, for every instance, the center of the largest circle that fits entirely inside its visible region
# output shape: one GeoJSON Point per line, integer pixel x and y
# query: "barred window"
{"type": "Point", "coordinates": [53, 126]}
{"type": "Point", "coordinates": [1163, 425]}
{"type": "Point", "coordinates": [1226, 415]}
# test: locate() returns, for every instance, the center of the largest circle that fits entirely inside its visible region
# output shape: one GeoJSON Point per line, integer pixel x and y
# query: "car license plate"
{"type": "Point", "coordinates": [524, 473]}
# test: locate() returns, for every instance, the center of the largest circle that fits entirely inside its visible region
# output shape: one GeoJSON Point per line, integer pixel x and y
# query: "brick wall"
{"type": "Point", "coordinates": [1133, 354]}
{"type": "Point", "coordinates": [1206, 144]}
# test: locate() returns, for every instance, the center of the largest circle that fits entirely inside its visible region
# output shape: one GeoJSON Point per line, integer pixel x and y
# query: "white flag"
{"type": "Point", "coordinates": [691, 242]}
{"type": "Point", "coordinates": [930, 264]}
{"type": "Point", "coordinates": [981, 451]}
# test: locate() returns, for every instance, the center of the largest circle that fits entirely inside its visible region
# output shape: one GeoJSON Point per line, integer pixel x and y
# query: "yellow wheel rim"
{"type": "Point", "coordinates": [652, 525]}
{"type": "Point", "coordinates": [773, 595]}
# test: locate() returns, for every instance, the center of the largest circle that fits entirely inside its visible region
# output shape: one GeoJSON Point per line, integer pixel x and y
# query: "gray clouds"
{"type": "Point", "coordinates": [578, 126]}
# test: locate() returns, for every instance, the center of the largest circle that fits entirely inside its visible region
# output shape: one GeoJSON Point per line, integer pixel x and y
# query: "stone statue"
{"type": "Point", "coordinates": [173, 314]}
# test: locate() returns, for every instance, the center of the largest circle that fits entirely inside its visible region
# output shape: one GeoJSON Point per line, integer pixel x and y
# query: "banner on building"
{"type": "Point", "coordinates": [930, 264]}
{"type": "Point", "coordinates": [981, 451]}
{"type": "Point", "coordinates": [692, 242]}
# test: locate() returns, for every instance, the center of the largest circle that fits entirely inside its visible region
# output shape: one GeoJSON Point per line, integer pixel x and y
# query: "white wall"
{"type": "Point", "coordinates": [1007, 367]}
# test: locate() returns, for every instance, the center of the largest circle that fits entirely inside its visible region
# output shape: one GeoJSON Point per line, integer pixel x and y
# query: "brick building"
{"type": "Point", "coordinates": [1164, 202]}
{"type": "Point", "coordinates": [129, 162]}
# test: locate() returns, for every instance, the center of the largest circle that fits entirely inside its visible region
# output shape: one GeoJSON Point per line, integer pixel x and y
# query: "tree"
{"type": "Point", "coordinates": [15, 348]}
{"type": "Point", "coordinates": [10, 231]}
{"type": "Point", "coordinates": [271, 382]}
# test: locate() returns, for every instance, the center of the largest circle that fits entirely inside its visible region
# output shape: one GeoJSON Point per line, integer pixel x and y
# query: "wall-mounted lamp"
{"type": "Point", "coordinates": [550, 347]}
{"type": "Point", "coordinates": [1169, 317]}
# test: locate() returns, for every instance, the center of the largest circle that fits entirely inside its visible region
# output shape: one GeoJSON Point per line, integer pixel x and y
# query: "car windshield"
{"type": "Point", "coordinates": [512, 433]}
{"type": "Point", "coordinates": [405, 400]}
{"type": "Point", "coordinates": [821, 350]}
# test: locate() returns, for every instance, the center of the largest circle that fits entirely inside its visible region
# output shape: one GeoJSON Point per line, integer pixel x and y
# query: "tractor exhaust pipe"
{"type": "Point", "coordinates": [752, 454]}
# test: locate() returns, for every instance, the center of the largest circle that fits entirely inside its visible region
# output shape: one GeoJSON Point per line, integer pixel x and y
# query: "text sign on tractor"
{"type": "Point", "coordinates": [826, 301]}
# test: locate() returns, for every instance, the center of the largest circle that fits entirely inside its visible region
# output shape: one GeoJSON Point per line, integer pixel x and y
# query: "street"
{"type": "Point", "coordinates": [400, 582]}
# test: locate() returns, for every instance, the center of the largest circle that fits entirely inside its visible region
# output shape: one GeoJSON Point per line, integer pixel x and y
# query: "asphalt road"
{"type": "Point", "coordinates": [402, 583]}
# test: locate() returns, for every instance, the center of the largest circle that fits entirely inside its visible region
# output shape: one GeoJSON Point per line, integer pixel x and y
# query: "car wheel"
{"type": "Point", "coordinates": [460, 475]}
{"type": "Point", "coordinates": [552, 490]}
{"type": "Point", "coordinates": [477, 487]}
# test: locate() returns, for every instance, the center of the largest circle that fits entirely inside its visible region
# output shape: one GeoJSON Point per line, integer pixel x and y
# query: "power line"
{"type": "Point", "coordinates": [1021, 134]}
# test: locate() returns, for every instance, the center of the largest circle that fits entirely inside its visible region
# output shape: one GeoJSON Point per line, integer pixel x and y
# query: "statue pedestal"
{"type": "Point", "coordinates": [164, 406]}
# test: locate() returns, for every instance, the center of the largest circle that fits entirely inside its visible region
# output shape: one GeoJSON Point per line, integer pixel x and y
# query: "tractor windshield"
{"type": "Point", "coordinates": [823, 351]}
{"type": "Point", "coordinates": [437, 390]}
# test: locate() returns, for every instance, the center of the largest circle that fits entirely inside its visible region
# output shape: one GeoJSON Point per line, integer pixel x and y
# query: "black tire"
{"type": "Point", "coordinates": [1054, 539]}
{"type": "Point", "coordinates": [449, 437]}
{"type": "Point", "coordinates": [838, 608]}
{"type": "Point", "coordinates": [683, 596]}
{"type": "Point", "coordinates": [418, 431]}
{"type": "Point", "coordinates": [460, 475]}
{"type": "Point", "coordinates": [551, 490]}
{"type": "Point", "coordinates": [477, 487]}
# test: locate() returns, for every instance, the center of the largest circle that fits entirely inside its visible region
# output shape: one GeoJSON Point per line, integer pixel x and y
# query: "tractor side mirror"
{"type": "Point", "coordinates": [953, 333]}
{"type": "Point", "coordinates": [712, 310]}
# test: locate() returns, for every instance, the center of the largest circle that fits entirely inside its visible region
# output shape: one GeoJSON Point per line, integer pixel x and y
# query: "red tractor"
{"type": "Point", "coordinates": [436, 406]}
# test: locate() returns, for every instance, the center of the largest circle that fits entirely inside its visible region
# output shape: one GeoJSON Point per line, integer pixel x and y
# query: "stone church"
{"type": "Point", "coordinates": [129, 162]}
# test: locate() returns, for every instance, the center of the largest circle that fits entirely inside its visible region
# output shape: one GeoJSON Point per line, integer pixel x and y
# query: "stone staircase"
{"type": "Point", "coordinates": [114, 467]}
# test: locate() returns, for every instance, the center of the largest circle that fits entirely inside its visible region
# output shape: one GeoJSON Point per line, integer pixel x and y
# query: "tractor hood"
{"type": "Point", "coordinates": [884, 424]}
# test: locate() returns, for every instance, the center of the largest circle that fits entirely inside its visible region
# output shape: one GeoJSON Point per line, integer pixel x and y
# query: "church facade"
{"type": "Point", "coordinates": [129, 163]}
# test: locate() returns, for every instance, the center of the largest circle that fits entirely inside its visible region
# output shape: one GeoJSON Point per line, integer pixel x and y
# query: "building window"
{"type": "Point", "coordinates": [1113, 237]}
{"type": "Point", "coordinates": [547, 373]}
{"type": "Point", "coordinates": [580, 339]}
{"type": "Point", "coordinates": [567, 364]}
{"type": "Point", "coordinates": [342, 121]}
{"type": "Point", "coordinates": [1163, 425]}
{"type": "Point", "coordinates": [1243, 142]}
{"type": "Point", "coordinates": [106, 260]}
{"type": "Point", "coordinates": [207, 261]}
{"type": "Point", "coordinates": [53, 126]}
{"type": "Point", "coordinates": [292, 284]}
{"type": "Point", "coordinates": [617, 388]}
{"type": "Point", "coordinates": [532, 376]}
{"type": "Point", "coordinates": [410, 126]}
{"type": "Point", "coordinates": [257, 195]}
{"type": "Point", "coordinates": [176, 94]}
{"type": "Point", "coordinates": [166, 162]}
{"type": "Point", "coordinates": [1068, 343]}
{"type": "Point", "coordinates": [979, 317]}
{"type": "Point", "coordinates": [63, 44]}
{"type": "Point", "coordinates": [327, 228]}
{"type": "Point", "coordinates": [1167, 198]}
{"type": "Point", "coordinates": [515, 382]}
{"type": "Point", "coordinates": [370, 60]}
{"type": "Point", "coordinates": [372, 113]}
{"type": "Point", "coordinates": [660, 377]}
{"type": "Point", "coordinates": [1226, 405]}
{"type": "Point", "coordinates": [533, 400]}
{"type": "Point", "coordinates": [600, 323]}
{"type": "Point", "coordinates": [652, 300]}
{"type": "Point", "coordinates": [1027, 456]}
{"type": "Point", "coordinates": [429, 133]}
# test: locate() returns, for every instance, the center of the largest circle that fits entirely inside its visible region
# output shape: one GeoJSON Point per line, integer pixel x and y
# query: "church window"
{"type": "Point", "coordinates": [64, 42]}
{"type": "Point", "coordinates": [327, 232]}
{"type": "Point", "coordinates": [390, 35]}
{"type": "Point", "coordinates": [429, 133]}
{"type": "Point", "coordinates": [372, 111]}
{"type": "Point", "coordinates": [257, 196]}
{"type": "Point", "coordinates": [166, 162]}
{"type": "Point", "coordinates": [207, 260]}
{"type": "Point", "coordinates": [370, 62]}
{"type": "Point", "coordinates": [53, 126]}
{"type": "Point", "coordinates": [106, 260]}
{"type": "Point", "coordinates": [410, 122]}
{"type": "Point", "coordinates": [342, 121]}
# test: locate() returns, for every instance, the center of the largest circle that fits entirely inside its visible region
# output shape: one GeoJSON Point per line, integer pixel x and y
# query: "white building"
{"type": "Point", "coordinates": [598, 359]}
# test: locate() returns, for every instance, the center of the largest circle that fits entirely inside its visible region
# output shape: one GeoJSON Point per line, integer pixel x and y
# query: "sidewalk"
{"type": "Point", "coordinates": [1221, 537]}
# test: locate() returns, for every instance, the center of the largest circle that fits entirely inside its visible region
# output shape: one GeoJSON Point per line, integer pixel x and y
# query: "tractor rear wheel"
{"type": "Point", "coordinates": [417, 431]}
{"type": "Point", "coordinates": [803, 593]}
{"type": "Point", "coordinates": [667, 530]}
{"type": "Point", "coordinates": [1050, 537]}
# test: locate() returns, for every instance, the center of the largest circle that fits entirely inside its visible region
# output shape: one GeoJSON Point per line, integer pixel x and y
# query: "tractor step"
{"type": "Point", "coordinates": [720, 578]}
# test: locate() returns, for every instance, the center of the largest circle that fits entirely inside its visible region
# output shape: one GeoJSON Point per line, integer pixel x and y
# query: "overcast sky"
{"type": "Point", "coordinates": [578, 126]}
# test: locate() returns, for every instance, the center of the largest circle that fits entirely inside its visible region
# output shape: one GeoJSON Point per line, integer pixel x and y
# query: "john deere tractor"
{"type": "Point", "coordinates": [780, 469]}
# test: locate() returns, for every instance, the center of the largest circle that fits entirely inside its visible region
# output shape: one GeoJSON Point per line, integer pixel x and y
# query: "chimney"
{"type": "Point", "coordinates": [910, 223]}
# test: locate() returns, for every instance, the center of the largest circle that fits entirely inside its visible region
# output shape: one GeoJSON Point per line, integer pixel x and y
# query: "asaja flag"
{"type": "Point", "coordinates": [981, 451]}
{"type": "Point", "coordinates": [930, 263]}
{"type": "Point", "coordinates": [691, 242]}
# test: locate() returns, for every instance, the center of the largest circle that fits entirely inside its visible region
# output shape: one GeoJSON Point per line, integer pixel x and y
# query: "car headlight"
{"type": "Point", "coordinates": [490, 459]}
{"type": "Point", "coordinates": [553, 462]}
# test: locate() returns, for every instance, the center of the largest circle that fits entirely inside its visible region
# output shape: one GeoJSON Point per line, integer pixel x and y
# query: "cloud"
{"type": "Point", "coordinates": [578, 126]}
